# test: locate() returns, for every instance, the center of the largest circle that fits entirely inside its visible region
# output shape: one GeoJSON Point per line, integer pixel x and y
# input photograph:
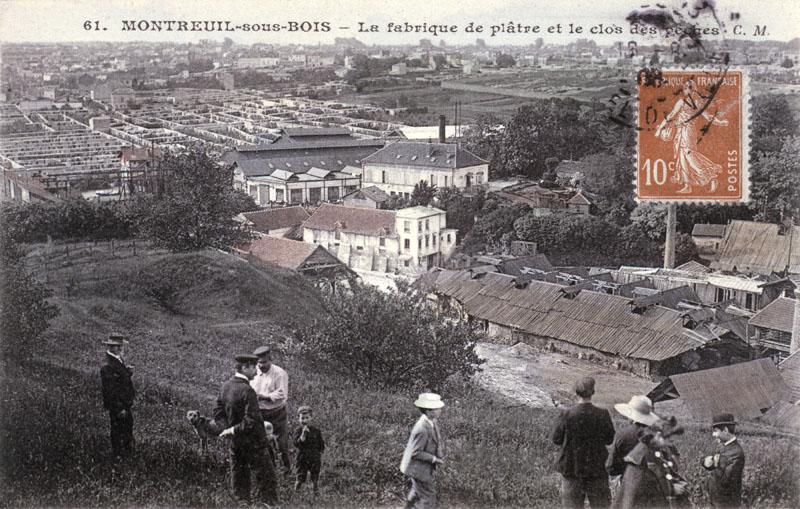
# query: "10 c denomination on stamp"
{"type": "Point", "coordinates": [693, 136]}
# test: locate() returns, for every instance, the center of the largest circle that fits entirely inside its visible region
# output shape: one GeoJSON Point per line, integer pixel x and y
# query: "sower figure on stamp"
{"type": "Point", "coordinates": [118, 395]}
{"type": "Point", "coordinates": [583, 432]}
{"type": "Point", "coordinates": [726, 465]}
{"type": "Point", "coordinates": [424, 451]}
{"type": "Point", "coordinates": [237, 412]}
{"type": "Point", "coordinates": [271, 384]}
{"type": "Point", "coordinates": [684, 127]}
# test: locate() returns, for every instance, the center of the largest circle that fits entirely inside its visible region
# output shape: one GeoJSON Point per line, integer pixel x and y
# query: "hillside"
{"type": "Point", "coordinates": [208, 306]}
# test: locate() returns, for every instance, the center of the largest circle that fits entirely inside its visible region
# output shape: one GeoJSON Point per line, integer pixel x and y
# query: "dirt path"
{"type": "Point", "coordinates": [542, 379]}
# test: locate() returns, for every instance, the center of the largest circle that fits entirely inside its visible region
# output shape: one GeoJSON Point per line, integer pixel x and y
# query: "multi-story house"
{"type": "Point", "coordinates": [406, 240]}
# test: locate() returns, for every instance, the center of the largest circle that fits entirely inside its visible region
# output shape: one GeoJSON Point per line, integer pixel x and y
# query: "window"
{"type": "Point", "coordinates": [748, 301]}
{"type": "Point", "coordinates": [383, 176]}
{"type": "Point", "coordinates": [419, 243]}
{"type": "Point", "coordinates": [433, 240]}
{"type": "Point", "coordinates": [407, 244]}
{"type": "Point", "coordinates": [427, 241]}
{"type": "Point", "coordinates": [333, 193]}
{"type": "Point", "coordinates": [479, 178]}
{"type": "Point", "coordinates": [279, 195]}
{"type": "Point", "coordinates": [337, 235]}
{"type": "Point", "coordinates": [406, 263]}
{"type": "Point", "coordinates": [359, 248]}
{"type": "Point", "coordinates": [407, 226]}
{"type": "Point", "coordinates": [445, 181]}
{"type": "Point", "coordinates": [382, 242]}
{"type": "Point", "coordinates": [448, 238]}
{"type": "Point", "coordinates": [433, 179]}
{"type": "Point", "coordinates": [419, 227]}
{"type": "Point", "coordinates": [427, 225]}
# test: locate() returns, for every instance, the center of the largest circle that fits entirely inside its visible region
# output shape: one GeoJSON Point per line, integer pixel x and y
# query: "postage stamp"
{"type": "Point", "coordinates": [692, 136]}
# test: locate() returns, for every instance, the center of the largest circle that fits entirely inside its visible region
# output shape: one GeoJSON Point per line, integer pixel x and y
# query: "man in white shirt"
{"type": "Point", "coordinates": [271, 384]}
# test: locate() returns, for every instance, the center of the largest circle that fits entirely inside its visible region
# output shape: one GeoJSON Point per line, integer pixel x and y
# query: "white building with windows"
{"type": "Point", "coordinates": [399, 166]}
{"type": "Point", "coordinates": [406, 240]}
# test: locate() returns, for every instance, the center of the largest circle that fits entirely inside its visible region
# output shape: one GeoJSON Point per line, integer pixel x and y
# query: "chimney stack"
{"type": "Point", "coordinates": [795, 344]}
{"type": "Point", "coordinates": [442, 135]}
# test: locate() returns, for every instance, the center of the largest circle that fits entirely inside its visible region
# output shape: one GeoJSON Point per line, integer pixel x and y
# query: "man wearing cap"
{"type": "Point", "coordinates": [271, 384]}
{"type": "Point", "coordinates": [424, 451]}
{"type": "Point", "coordinates": [237, 412]}
{"type": "Point", "coordinates": [583, 432]}
{"type": "Point", "coordinates": [726, 465]}
{"type": "Point", "coordinates": [118, 395]}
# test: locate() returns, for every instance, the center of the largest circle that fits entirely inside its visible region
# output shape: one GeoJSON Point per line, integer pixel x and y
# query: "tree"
{"type": "Point", "coordinates": [24, 311]}
{"type": "Point", "coordinates": [494, 221]}
{"type": "Point", "coordinates": [773, 121]}
{"type": "Point", "coordinates": [505, 60]}
{"type": "Point", "coordinates": [484, 139]}
{"type": "Point", "coordinates": [423, 193]}
{"type": "Point", "coordinates": [391, 340]}
{"type": "Point", "coordinates": [776, 181]}
{"type": "Point", "coordinates": [460, 209]}
{"type": "Point", "coordinates": [196, 207]}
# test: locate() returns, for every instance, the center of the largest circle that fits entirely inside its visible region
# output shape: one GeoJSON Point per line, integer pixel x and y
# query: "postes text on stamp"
{"type": "Point", "coordinates": [692, 136]}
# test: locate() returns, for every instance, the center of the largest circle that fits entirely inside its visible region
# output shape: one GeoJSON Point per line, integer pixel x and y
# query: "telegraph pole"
{"type": "Point", "coordinates": [669, 245]}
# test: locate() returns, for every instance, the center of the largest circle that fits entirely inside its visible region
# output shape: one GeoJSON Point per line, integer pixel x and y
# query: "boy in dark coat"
{"type": "Point", "coordinates": [726, 465]}
{"type": "Point", "coordinates": [237, 412]}
{"type": "Point", "coordinates": [310, 445]}
{"type": "Point", "coordinates": [118, 395]}
{"type": "Point", "coordinates": [583, 432]}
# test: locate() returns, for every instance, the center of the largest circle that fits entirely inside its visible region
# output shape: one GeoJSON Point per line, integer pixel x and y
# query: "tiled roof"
{"type": "Point", "coordinates": [274, 219]}
{"type": "Point", "coordinates": [777, 315]}
{"type": "Point", "coordinates": [428, 155]}
{"type": "Point", "coordinates": [579, 199]}
{"type": "Point", "coordinates": [590, 319]}
{"type": "Point", "coordinates": [758, 247]}
{"type": "Point", "coordinates": [366, 221]}
{"type": "Point", "coordinates": [668, 298]}
{"type": "Point", "coordinates": [302, 132]}
{"type": "Point", "coordinates": [708, 230]}
{"type": "Point", "coordinates": [313, 145]}
{"type": "Point", "coordinates": [694, 267]}
{"type": "Point", "coordinates": [789, 369]}
{"type": "Point", "coordinates": [373, 193]}
{"type": "Point", "coordinates": [256, 164]}
{"type": "Point", "coordinates": [742, 389]}
{"type": "Point", "coordinates": [290, 254]}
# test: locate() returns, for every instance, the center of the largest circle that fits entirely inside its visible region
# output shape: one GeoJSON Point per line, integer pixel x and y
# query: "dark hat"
{"type": "Point", "coordinates": [262, 350]}
{"type": "Point", "coordinates": [246, 359]}
{"type": "Point", "coordinates": [115, 339]}
{"type": "Point", "coordinates": [304, 410]}
{"type": "Point", "coordinates": [584, 387]}
{"type": "Point", "coordinates": [721, 420]}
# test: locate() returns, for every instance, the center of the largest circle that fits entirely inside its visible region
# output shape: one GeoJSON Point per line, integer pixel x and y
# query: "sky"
{"type": "Point", "coordinates": [61, 20]}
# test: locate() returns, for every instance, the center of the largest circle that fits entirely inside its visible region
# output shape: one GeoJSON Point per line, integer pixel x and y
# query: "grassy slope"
{"type": "Point", "coordinates": [54, 431]}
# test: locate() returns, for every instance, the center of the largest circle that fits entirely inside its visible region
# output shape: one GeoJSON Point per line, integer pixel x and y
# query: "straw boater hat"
{"type": "Point", "coordinates": [638, 409]}
{"type": "Point", "coordinates": [115, 339]}
{"type": "Point", "coordinates": [429, 401]}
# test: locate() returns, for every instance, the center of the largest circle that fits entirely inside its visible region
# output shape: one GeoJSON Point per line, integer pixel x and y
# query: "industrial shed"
{"type": "Point", "coordinates": [746, 390]}
{"type": "Point", "coordinates": [650, 341]}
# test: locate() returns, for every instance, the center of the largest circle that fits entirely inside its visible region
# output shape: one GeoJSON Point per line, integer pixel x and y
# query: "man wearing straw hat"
{"type": "Point", "coordinates": [424, 451]}
{"type": "Point", "coordinates": [727, 465]}
{"type": "Point", "coordinates": [118, 395]}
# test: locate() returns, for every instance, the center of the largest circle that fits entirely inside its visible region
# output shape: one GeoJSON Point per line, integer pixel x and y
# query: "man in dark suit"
{"type": "Point", "coordinates": [726, 465]}
{"type": "Point", "coordinates": [583, 432]}
{"type": "Point", "coordinates": [118, 395]}
{"type": "Point", "coordinates": [237, 412]}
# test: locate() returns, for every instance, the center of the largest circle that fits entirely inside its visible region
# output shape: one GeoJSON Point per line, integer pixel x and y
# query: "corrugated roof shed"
{"type": "Point", "coordinates": [708, 230]}
{"type": "Point", "coordinates": [428, 155]}
{"type": "Point", "coordinates": [590, 319]}
{"type": "Point", "coordinates": [668, 298]}
{"type": "Point", "coordinates": [789, 369]}
{"type": "Point", "coordinates": [275, 219]}
{"type": "Point", "coordinates": [784, 415]}
{"type": "Point", "coordinates": [743, 389]}
{"type": "Point", "coordinates": [694, 267]}
{"type": "Point", "coordinates": [366, 221]}
{"type": "Point", "coordinates": [777, 315]}
{"type": "Point", "coordinates": [757, 247]}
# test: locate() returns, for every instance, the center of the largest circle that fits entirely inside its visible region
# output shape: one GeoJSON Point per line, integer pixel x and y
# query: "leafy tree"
{"type": "Point", "coordinates": [423, 193]}
{"type": "Point", "coordinates": [391, 340]}
{"type": "Point", "coordinates": [787, 63]}
{"type": "Point", "coordinates": [609, 178]}
{"type": "Point", "coordinates": [197, 206]}
{"type": "Point", "coordinates": [651, 219]}
{"type": "Point", "coordinates": [24, 311]}
{"type": "Point", "coordinates": [776, 181]}
{"type": "Point", "coordinates": [495, 221]}
{"type": "Point", "coordinates": [773, 121]}
{"type": "Point", "coordinates": [484, 139]}
{"type": "Point", "coordinates": [461, 210]}
{"type": "Point", "coordinates": [505, 60]}
{"type": "Point", "coordinates": [685, 249]}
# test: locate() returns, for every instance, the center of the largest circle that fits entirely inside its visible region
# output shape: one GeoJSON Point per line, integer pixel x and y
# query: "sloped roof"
{"type": "Point", "coordinates": [274, 219]}
{"type": "Point", "coordinates": [589, 319]}
{"type": "Point", "coordinates": [757, 247]}
{"type": "Point", "coordinates": [693, 267]}
{"type": "Point", "coordinates": [518, 266]}
{"type": "Point", "coordinates": [302, 132]}
{"type": "Point", "coordinates": [290, 254]}
{"type": "Point", "coordinates": [579, 199]}
{"type": "Point", "coordinates": [777, 315]}
{"type": "Point", "coordinates": [743, 389]}
{"type": "Point", "coordinates": [428, 155]}
{"type": "Point", "coordinates": [362, 220]}
{"type": "Point", "coordinates": [783, 415]}
{"type": "Point", "coordinates": [668, 298]}
{"type": "Point", "coordinates": [789, 369]}
{"type": "Point", "coordinates": [257, 164]}
{"type": "Point", "coordinates": [708, 230]}
{"type": "Point", "coordinates": [373, 193]}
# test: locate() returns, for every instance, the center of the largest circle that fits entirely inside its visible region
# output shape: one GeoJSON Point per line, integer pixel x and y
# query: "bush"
{"type": "Point", "coordinates": [391, 340]}
{"type": "Point", "coordinates": [72, 219]}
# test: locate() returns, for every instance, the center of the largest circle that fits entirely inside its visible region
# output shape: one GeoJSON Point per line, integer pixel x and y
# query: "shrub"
{"type": "Point", "coordinates": [391, 340]}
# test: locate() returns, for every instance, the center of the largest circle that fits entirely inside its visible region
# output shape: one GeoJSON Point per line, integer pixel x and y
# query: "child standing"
{"type": "Point", "coordinates": [309, 444]}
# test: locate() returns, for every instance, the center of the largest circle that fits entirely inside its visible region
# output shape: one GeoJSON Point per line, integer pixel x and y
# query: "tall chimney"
{"type": "Point", "coordinates": [795, 344]}
{"type": "Point", "coordinates": [441, 129]}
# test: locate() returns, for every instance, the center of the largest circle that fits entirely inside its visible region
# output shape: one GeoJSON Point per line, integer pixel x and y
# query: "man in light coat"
{"type": "Point", "coordinates": [424, 451]}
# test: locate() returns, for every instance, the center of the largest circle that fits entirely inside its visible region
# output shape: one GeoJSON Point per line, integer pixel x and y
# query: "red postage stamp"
{"type": "Point", "coordinates": [692, 136]}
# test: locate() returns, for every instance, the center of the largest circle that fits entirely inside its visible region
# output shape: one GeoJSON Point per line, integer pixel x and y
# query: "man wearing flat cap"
{"type": "Point", "coordinates": [424, 451]}
{"type": "Point", "coordinates": [583, 432]}
{"type": "Point", "coordinates": [726, 465]}
{"type": "Point", "coordinates": [237, 412]}
{"type": "Point", "coordinates": [271, 384]}
{"type": "Point", "coordinates": [118, 395]}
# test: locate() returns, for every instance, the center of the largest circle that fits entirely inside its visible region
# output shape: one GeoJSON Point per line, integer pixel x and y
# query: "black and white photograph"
{"type": "Point", "coordinates": [375, 254]}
